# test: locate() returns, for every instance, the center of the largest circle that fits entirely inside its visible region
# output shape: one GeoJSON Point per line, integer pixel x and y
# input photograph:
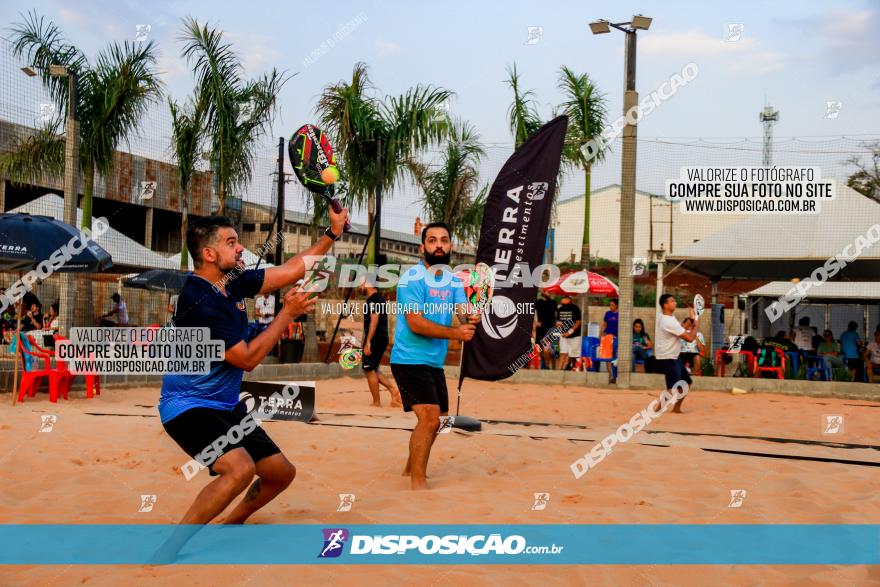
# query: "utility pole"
{"type": "Point", "coordinates": [377, 235]}
{"type": "Point", "coordinates": [71, 199]}
{"type": "Point", "coordinates": [627, 191]}
{"type": "Point", "coordinates": [279, 237]}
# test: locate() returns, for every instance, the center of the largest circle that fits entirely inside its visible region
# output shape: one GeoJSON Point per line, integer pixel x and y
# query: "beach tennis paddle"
{"type": "Point", "coordinates": [310, 155]}
{"type": "Point", "coordinates": [351, 358]}
{"type": "Point", "coordinates": [699, 305]}
{"type": "Point", "coordinates": [479, 285]}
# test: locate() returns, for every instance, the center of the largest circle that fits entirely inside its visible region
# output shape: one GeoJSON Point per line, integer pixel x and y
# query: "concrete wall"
{"type": "Point", "coordinates": [318, 371]}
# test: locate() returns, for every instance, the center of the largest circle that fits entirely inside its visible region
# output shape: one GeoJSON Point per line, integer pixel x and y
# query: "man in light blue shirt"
{"type": "Point", "coordinates": [850, 343]}
{"type": "Point", "coordinates": [428, 295]}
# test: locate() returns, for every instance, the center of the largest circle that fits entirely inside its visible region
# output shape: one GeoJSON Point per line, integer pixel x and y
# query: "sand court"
{"type": "Point", "coordinates": [101, 456]}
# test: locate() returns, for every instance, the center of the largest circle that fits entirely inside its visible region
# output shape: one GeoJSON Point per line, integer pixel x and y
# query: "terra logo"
{"type": "Point", "coordinates": [334, 542]}
{"type": "Point", "coordinates": [500, 322]}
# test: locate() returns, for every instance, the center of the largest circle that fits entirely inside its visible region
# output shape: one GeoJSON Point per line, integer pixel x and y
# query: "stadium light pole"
{"type": "Point", "coordinates": [71, 169]}
{"type": "Point", "coordinates": [627, 191]}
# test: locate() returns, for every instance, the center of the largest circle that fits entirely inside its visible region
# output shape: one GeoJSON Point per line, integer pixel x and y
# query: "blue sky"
{"type": "Point", "coordinates": [799, 55]}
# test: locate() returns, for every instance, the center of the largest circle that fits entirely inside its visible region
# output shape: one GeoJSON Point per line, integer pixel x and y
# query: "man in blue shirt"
{"type": "Point", "coordinates": [428, 295]}
{"type": "Point", "coordinates": [850, 346]}
{"type": "Point", "coordinates": [196, 410]}
{"type": "Point", "coordinates": [609, 322]}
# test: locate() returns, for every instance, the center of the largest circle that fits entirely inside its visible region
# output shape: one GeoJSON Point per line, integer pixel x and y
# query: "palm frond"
{"type": "Point", "coordinates": [237, 112]}
{"type": "Point", "coordinates": [523, 117]}
{"type": "Point", "coordinates": [451, 193]}
{"type": "Point", "coordinates": [117, 94]}
{"type": "Point", "coordinates": [187, 128]}
{"type": "Point", "coordinates": [41, 43]}
{"type": "Point", "coordinates": [351, 115]}
{"type": "Point", "coordinates": [586, 108]}
{"type": "Point", "coordinates": [35, 158]}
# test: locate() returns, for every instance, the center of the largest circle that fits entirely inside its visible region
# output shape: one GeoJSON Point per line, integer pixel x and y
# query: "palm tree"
{"type": "Point", "coordinates": [113, 96]}
{"type": "Point", "coordinates": [404, 125]}
{"type": "Point", "coordinates": [585, 107]}
{"type": "Point", "coordinates": [187, 134]}
{"type": "Point", "coordinates": [238, 112]}
{"type": "Point", "coordinates": [452, 193]}
{"type": "Point", "coordinates": [522, 114]}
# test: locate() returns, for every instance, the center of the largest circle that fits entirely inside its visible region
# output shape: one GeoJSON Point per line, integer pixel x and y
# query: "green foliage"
{"type": "Point", "coordinates": [451, 193]}
{"type": "Point", "coordinates": [866, 180]}
{"type": "Point", "coordinates": [359, 122]}
{"type": "Point", "coordinates": [523, 117]}
{"type": "Point", "coordinates": [237, 112]}
{"type": "Point", "coordinates": [586, 108]}
{"type": "Point", "coordinates": [113, 95]}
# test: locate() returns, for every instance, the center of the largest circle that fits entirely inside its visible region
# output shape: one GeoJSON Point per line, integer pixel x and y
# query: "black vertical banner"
{"type": "Point", "coordinates": [512, 239]}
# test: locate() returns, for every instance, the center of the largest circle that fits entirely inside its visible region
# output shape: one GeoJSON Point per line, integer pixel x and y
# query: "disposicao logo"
{"type": "Point", "coordinates": [334, 542]}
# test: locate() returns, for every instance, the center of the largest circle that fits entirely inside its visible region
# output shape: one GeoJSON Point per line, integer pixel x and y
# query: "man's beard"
{"type": "Point", "coordinates": [434, 259]}
{"type": "Point", "coordinates": [237, 266]}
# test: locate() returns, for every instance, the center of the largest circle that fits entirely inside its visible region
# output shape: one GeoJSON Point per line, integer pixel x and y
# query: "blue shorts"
{"type": "Point", "coordinates": [674, 371]}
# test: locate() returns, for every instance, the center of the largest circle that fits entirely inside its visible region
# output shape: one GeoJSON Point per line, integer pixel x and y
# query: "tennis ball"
{"type": "Point", "coordinates": [330, 175]}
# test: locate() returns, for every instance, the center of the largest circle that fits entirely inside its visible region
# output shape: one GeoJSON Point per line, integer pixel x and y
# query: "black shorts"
{"type": "Point", "coordinates": [540, 333]}
{"type": "Point", "coordinates": [854, 363]}
{"type": "Point", "coordinates": [420, 384]}
{"type": "Point", "coordinates": [688, 358]}
{"type": "Point", "coordinates": [377, 351]}
{"type": "Point", "coordinates": [198, 428]}
{"type": "Point", "coordinates": [673, 370]}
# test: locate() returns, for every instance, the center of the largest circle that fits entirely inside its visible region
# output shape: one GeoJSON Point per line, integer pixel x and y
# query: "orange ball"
{"type": "Point", "coordinates": [330, 175]}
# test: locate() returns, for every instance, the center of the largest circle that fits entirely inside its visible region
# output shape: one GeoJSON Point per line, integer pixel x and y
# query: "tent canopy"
{"type": "Point", "coordinates": [850, 292]}
{"type": "Point", "coordinates": [127, 253]}
{"type": "Point", "coordinates": [784, 246]}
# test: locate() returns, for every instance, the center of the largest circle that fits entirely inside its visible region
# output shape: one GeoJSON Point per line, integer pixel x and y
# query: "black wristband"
{"type": "Point", "coordinates": [330, 234]}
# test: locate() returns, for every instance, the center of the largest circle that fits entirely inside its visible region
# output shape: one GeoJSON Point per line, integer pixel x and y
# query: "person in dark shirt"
{"type": "Point", "coordinates": [609, 322]}
{"type": "Point", "coordinates": [766, 357]}
{"type": "Point", "coordinates": [568, 321]}
{"type": "Point", "coordinates": [199, 410]}
{"type": "Point", "coordinates": [32, 319]}
{"type": "Point", "coordinates": [545, 318]}
{"type": "Point", "coordinates": [376, 343]}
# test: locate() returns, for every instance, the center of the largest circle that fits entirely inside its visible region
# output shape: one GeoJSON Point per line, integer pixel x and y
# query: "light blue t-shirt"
{"type": "Point", "coordinates": [849, 344]}
{"type": "Point", "coordinates": [435, 297]}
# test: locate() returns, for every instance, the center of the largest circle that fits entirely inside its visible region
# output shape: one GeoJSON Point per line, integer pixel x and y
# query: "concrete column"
{"type": "Point", "coordinates": [2, 194]}
{"type": "Point", "coordinates": [148, 229]}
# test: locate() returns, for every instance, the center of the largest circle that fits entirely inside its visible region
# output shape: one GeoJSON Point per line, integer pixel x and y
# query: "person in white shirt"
{"type": "Point", "coordinates": [667, 346]}
{"type": "Point", "coordinates": [172, 309]}
{"type": "Point", "coordinates": [692, 352]}
{"type": "Point", "coordinates": [872, 356]}
{"type": "Point", "coordinates": [120, 310]}
{"type": "Point", "coordinates": [802, 336]}
{"type": "Point", "coordinates": [264, 309]}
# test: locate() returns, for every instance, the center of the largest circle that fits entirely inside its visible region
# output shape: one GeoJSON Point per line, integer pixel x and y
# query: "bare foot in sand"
{"type": "Point", "coordinates": [418, 485]}
{"type": "Point", "coordinates": [376, 404]}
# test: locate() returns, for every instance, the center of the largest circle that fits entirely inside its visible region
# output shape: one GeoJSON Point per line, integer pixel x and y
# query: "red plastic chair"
{"type": "Point", "coordinates": [30, 379]}
{"type": "Point", "coordinates": [61, 377]}
{"type": "Point", "coordinates": [780, 370]}
{"type": "Point", "coordinates": [748, 356]}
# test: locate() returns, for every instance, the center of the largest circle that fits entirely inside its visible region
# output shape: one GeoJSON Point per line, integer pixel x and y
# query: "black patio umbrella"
{"type": "Point", "coordinates": [45, 245]}
{"type": "Point", "coordinates": [26, 241]}
{"type": "Point", "coordinates": [167, 280]}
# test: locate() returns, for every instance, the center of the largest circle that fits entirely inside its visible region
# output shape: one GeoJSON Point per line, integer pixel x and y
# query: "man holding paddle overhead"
{"type": "Point", "coordinates": [667, 348]}
{"type": "Point", "coordinates": [197, 410]}
{"type": "Point", "coordinates": [428, 295]}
